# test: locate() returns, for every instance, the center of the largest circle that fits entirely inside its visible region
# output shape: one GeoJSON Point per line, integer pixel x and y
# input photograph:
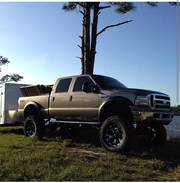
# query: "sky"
{"type": "Point", "coordinates": [40, 40]}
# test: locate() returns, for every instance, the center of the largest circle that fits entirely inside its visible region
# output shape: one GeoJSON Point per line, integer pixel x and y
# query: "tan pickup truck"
{"type": "Point", "coordinates": [119, 112]}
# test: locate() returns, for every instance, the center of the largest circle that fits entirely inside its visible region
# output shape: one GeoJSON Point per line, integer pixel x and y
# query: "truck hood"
{"type": "Point", "coordinates": [132, 91]}
{"type": "Point", "coordinates": [142, 91]}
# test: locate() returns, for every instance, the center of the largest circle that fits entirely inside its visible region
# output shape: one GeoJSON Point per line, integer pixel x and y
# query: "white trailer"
{"type": "Point", "coordinates": [9, 95]}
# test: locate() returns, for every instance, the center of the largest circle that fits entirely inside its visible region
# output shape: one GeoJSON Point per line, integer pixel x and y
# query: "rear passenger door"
{"type": "Point", "coordinates": [83, 106]}
{"type": "Point", "coordinates": [59, 100]}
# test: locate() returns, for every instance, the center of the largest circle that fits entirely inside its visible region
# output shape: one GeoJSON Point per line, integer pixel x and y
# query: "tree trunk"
{"type": "Point", "coordinates": [82, 50]}
{"type": "Point", "coordinates": [94, 36]}
{"type": "Point", "coordinates": [86, 36]}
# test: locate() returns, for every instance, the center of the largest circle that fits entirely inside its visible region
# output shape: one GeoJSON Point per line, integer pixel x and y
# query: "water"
{"type": "Point", "coordinates": [173, 129]}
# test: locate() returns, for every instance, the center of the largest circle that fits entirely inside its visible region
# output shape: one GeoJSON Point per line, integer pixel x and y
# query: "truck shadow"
{"type": "Point", "coordinates": [81, 135]}
{"type": "Point", "coordinates": [168, 153]}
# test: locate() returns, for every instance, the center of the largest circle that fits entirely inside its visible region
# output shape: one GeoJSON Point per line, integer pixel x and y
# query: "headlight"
{"type": "Point", "coordinates": [142, 100]}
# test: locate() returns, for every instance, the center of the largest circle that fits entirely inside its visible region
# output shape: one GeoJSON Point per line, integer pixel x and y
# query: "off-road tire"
{"type": "Point", "coordinates": [156, 132]}
{"type": "Point", "coordinates": [161, 135]}
{"type": "Point", "coordinates": [34, 127]}
{"type": "Point", "coordinates": [121, 129]}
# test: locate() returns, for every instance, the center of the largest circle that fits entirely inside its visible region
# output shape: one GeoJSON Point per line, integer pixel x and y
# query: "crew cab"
{"type": "Point", "coordinates": [120, 113]}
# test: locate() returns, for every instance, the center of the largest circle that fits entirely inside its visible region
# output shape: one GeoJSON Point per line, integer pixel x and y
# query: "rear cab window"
{"type": "Point", "coordinates": [63, 85]}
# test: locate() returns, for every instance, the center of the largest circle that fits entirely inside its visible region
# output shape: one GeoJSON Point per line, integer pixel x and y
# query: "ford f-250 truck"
{"type": "Point", "coordinates": [119, 112]}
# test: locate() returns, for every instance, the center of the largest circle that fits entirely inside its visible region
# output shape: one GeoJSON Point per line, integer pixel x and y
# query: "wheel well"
{"type": "Point", "coordinates": [30, 110]}
{"type": "Point", "coordinates": [116, 108]}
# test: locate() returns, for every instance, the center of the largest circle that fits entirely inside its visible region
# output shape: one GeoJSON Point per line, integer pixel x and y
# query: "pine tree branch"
{"type": "Point", "coordinates": [113, 25]}
{"type": "Point", "coordinates": [79, 58]}
{"type": "Point", "coordinates": [104, 7]}
{"type": "Point", "coordinates": [153, 4]}
{"type": "Point", "coordinates": [80, 37]}
{"type": "Point", "coordinates": [11, 77]}
{"type": "Point", "coordinates": [79, 46]}
{"type": "Point", "coordinates": [69, 6]}
{"type": "Point", "coordinates": [81, 12]}
{"type": "Point", "coordinates": [81, 4]}
{"type": "Point", "coordinates": [4, 60]}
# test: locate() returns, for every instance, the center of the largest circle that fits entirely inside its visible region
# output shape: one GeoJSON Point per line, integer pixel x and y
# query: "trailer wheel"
{"type": "Point", "coordinates": [33, 127]}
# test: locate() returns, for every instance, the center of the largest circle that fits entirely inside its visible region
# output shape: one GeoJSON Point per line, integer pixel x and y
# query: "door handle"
{"type": "Point", "coordinates": [70, 98]}
{"type": "Point", "coordinates": [53, 98]}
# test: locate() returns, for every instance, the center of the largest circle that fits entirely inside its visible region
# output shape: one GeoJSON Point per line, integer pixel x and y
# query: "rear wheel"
{"type": "Point", "coordinates": [116, 134]}
{"type": "Point", "coordinates": [33, 127]}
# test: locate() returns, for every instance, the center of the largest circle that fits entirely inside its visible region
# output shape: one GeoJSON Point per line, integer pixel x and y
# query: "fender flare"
{"type": "Point", "coordinates": [34, 105]}
{"type": "Point", "coordinates": [111, 101]}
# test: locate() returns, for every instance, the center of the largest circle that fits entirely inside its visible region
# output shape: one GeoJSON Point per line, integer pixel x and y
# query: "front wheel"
{"type": "Point", "coordinates": [33, 127]}
{"type": "Point", "coordinates": [116, 134]}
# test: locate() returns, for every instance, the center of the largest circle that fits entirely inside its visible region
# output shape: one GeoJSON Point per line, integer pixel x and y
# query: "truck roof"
{"type": "Point", "coordinates": [80, 75]}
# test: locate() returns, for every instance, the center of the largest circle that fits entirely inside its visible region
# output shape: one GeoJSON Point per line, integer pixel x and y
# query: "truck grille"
{"type": "Point", "coordinates": [159, 101]}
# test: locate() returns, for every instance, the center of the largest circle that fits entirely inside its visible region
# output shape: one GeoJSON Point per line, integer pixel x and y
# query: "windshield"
{"type": "Point", "coordinates": [108, 83]}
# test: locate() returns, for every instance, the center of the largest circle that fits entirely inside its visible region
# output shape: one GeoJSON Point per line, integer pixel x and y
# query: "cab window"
{"type": "Point", "coordinates": [79, 83]}
{"type": "Point", "coordinates": [63, 85]}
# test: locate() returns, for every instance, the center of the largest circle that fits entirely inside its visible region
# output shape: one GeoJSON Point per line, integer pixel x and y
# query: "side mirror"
{"type": "Point", "coordinates": [86, 87]}
{"type": "Point", "coordinates": [95, 89]}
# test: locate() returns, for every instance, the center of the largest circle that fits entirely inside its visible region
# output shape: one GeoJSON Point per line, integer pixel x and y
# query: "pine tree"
{"type": "Point", "coordinates": [8, 77]}
{"type": "Point", "coordinates": [90, 31]}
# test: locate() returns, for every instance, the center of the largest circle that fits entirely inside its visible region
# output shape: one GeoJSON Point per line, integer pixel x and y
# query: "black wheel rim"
{"type": "Point", "coordinates": [113, 135]}
{"type": "Point", "coordinates": [30, 129]}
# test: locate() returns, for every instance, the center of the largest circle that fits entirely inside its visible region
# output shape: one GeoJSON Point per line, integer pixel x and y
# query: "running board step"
{"type": "Point", "coordinates": [76, 122]}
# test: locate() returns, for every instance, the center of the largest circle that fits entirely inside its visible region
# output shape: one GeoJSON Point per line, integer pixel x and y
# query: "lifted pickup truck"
{"type": "Point", "coordinates": [119, 112]}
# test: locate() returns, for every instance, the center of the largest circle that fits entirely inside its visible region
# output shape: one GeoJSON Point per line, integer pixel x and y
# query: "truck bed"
{"type": "Point", "coordinates": [36, 90]}
{"type": "Point", "coordinates": [42, 100]}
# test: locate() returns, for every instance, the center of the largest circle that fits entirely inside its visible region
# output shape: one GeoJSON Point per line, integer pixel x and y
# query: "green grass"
{"type": "Point", "coordinates": [81, 158]}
